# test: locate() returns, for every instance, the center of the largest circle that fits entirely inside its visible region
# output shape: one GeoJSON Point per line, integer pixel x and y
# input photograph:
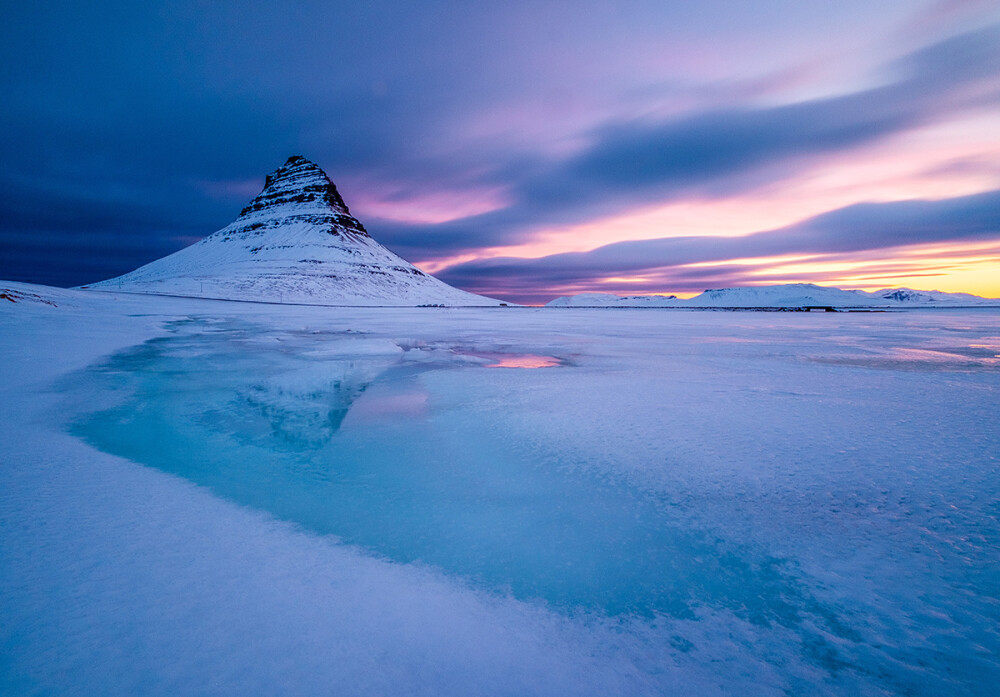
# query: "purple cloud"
{"type": "Point", "coordinates": [858, 228]}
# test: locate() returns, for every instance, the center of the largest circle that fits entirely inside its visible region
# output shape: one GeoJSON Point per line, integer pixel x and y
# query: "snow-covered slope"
{"type": "Point", "coordinates": [296, 242]}
{"type": "Point", "coordinates": [919, 297]}
{"type": "Point", "coordinates": [788, 295]}
{"type": "Point", "coordinates": [609, 300]}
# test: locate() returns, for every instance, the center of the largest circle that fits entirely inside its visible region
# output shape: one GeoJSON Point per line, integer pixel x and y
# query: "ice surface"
{"type": "Point", "coordinates": [418, 478]}
{"type": "Point", "coordinates": [353, 501]}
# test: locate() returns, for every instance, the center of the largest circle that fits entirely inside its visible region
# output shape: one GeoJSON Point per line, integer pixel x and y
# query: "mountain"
{"type": "Point", "coordinates": [296, 242]}
{"type": "Point", "coordinates": [909, 296]}
{"type": "Point", "coordinates": [787, 295]}
{"type": "Point", "coordinates": [609, 300]}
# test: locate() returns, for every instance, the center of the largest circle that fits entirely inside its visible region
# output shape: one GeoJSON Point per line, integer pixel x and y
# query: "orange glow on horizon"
{"type": "Point", "coordinates": [934, 162]}
{"type": "Point", "coordinates": [973, 268]}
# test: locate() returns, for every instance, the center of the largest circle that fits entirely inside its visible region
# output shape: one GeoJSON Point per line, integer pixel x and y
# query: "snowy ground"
{"type": "Point", "coordinates": [205, 497]}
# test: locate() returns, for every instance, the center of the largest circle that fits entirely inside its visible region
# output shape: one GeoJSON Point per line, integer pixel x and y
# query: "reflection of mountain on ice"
{"type": "Point", "coordinates": [296, 242]}
{"type": "Point", "coordinates": [301, 403]}
{"type": "Point", "coordinates": [283, 391]}
{"type": "Point", "coordinates": [787, 295]}
{"type": "Point", "coordinates": [305, 406]}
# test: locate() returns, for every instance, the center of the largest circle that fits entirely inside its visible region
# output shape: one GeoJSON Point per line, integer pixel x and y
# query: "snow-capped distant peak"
{"type": "Point", "coordinates": [905, 295]}
{"type": "Point", "coordinates": [789, 295]}
{"type": "Point", "coordinates": [295, 242]}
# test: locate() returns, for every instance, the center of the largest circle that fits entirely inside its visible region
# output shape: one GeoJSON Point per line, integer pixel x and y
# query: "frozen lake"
{"type": "Point", "coordinates": [499, 501]}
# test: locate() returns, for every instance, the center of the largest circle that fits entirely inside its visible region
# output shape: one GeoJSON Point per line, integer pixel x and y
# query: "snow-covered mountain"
{"type": "Point", "coordinates": [909, 296]}
{"type": "Point", "coordinates": [296, 242]}
{"type": "Point", "coordinates": [609, 300]}
{"type": "Point", "coordinates": [787, 295]}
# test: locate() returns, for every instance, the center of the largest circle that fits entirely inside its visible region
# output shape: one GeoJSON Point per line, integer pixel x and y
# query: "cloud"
{"type": "Point", "coordinates": [86, 235]}
{"type": "Point", "coordinates": [120, 115]}
{"type": "Point", "coordinates": [718, 153]}
{"type": "Point", "coordinates": [857, 228]}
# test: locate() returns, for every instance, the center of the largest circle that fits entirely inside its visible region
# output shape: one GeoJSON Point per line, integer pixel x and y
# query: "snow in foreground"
{"type": "Point", "coordinates": [200, 497]}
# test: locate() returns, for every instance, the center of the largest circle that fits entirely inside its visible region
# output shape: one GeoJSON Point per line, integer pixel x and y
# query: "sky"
{"type": "Point", "coordinates": [523, 150]}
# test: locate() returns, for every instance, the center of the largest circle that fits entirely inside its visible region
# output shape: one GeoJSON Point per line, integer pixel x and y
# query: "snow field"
{"type": "Point", "coordinates": [823, 490]}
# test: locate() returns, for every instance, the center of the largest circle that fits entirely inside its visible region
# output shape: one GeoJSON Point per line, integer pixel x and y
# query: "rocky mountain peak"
{"type": "Point", "coordinates": [300, 185]}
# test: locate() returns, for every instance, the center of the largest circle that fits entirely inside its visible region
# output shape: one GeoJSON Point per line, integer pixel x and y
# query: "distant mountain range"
{"type": "Point", "coordinates": [792, 295]}
{"type": "Point", "coordinates": [296, 242]}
